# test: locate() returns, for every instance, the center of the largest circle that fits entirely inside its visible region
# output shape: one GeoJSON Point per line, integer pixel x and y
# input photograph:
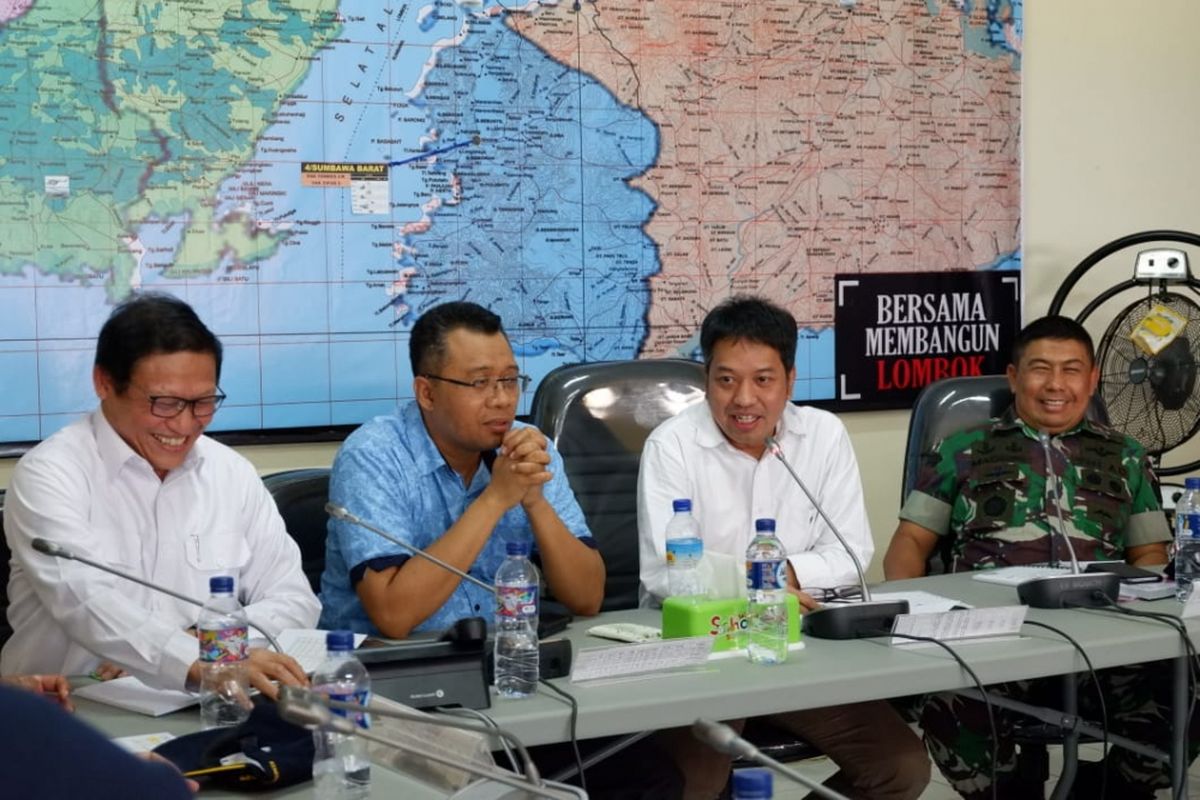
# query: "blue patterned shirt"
{"type": "Point", "coordinates": [390, 473]}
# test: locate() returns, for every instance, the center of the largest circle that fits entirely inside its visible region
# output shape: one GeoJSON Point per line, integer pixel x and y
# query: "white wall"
{"type": "Point", "coordinates": [1110, 120]}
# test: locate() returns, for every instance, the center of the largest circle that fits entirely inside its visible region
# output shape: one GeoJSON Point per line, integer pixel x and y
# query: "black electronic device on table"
{"type": "Point", "coordinates": [455, 669]}
{"type": "Point", "coordinates": [1126, 572]}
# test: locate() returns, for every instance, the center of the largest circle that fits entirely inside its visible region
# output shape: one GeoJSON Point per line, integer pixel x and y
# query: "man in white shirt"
{"type": "Point", "coordinates": [715, 455]}
{"type": "Point", "coordinates": [135, 484]}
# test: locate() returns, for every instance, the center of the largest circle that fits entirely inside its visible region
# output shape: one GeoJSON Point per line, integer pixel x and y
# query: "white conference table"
{"type": "Point", "coordinates": [823, 673]}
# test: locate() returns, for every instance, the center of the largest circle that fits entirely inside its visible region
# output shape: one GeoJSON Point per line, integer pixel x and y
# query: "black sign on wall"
{"type": "Point", "coordinates": [899, 332]}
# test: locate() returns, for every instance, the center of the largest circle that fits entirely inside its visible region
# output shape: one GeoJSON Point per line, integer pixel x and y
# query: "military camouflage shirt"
{"type": "Point", "coordinates": [992, 487]}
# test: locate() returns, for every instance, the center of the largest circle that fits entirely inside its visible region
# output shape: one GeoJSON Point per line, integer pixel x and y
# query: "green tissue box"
{"type": "Point", "coordinates": [724, 620]}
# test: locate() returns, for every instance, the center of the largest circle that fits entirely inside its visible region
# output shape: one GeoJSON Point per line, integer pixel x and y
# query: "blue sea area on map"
{"type": "Point", "coordinates": [548, 231]}
{"type": "Point", "coordinates": [329, 277]}
{"type": "Point", "coordinates": [1005, 261]}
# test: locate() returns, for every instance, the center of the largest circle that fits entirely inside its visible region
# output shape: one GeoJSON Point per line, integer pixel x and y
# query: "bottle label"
{"type": "Point", "coordinates": [1187, 526]}
{"type": "Point", "coordinates": [222, 645]}
{"type": "Point", "coordinates": [766, 576]}
{"type": "Point", "coordinates": [361, 718]}
{"type": "Point", "coordinates": [516, 602]}
{"type": "Point", "coordinates": [684, 552]}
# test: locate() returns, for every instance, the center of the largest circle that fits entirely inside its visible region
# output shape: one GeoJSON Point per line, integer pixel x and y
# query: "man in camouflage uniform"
{"type": "Point", "coordinates": [1000, 490]}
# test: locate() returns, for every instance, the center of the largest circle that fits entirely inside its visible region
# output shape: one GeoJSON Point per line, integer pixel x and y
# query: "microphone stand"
{"type": "Point", "coordinates": [339, 512]}
{"type": "Point", "coordinates": [1078, 589]}
{"type": "Point", "coordinates": [312, 710]}
{"type": "Point", "coordinates": [723, 739]}
{"type": "Point", "coordinates": [531, 770]}
{"type": "Point", "coordinates": [58, 551]}
{"type": "Point", "coordinates": [846, 621]}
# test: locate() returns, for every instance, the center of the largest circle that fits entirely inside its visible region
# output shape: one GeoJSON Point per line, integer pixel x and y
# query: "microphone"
{"type": "Point", "coordinates": [867, 618]}
{"type": "Point", "coordinates": [1078, 589]}
{"type": "Point", "coordinates": [724, 739]}
{"type": "Point", "coordinates": [339, 512]}
{"type": "Point", "coordinates": [58, 551]}
{"type": "Point", "coordinates": [310, 709]}
{"type": "Point", "coordinates": [1044, 438]}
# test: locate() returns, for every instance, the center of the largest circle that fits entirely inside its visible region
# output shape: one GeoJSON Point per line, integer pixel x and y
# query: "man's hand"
{"type": "Point", "coordinates": [155, 758]}
{"type": "Point", "coordinates": [264, 667]}
{"type": "Point", "coordinates": [107, 671]}
{"type": "Point", "coordinates": [520, 468]}
{"type": "Point", "coordinates": [52, 685]}
{"type": "Point", "coordinates": [807, 601]}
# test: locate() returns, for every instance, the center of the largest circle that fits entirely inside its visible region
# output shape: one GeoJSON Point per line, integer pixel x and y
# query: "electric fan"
{"type": "Point", "coordinates": [1149, 356]}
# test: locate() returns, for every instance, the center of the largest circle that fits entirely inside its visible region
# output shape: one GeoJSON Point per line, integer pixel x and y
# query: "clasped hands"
{"type": "Point", "coordinates": [520, 469]}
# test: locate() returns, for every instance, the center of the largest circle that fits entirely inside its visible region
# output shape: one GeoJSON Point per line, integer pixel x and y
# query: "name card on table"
{"type": "Point", "coordinates": [970, 623]}
{"type": "Point", "coordinates": [643, 659]}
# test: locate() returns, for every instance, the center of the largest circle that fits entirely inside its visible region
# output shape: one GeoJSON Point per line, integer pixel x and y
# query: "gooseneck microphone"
{"type": "Point", "coordinates": [58, 551]}
{"type": "Point", "coordinates": [1057, 498]}
{"type": "Point", "coordinates": [339, 512]}
{"type": "Point", "coordinates": [1078, 589]}
{"type": "Point", "coordinates": [847, 621]}
{"type": "Point", "coordinates": [311, 709]}
{"type": "Point", "coordinates": [724, 739]}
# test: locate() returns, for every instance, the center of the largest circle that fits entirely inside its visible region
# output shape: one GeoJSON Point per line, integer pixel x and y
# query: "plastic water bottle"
{"type": "Point", "coordinates": [516, 624]}
{"type": "Point", "coordinates": [752, 784]}
{"type": "Point", "coordinates": [685, 548]}
{"type": "Point", "coordinates": [224, 684]}
{"type": "Point", "coordinates": [766, 582]}
{"type": "Point", "coordinates": [1187, 539]}
{"type": "Point", "coordinates": [341, 766]}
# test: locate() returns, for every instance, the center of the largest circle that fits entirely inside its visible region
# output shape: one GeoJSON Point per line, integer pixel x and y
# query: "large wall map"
{"type": "Point", "coordinates": [312, 174]}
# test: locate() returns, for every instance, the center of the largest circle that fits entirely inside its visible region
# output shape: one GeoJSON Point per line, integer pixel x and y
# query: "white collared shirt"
{"type": "Point", "coordinates": [688, 457]}
{"type": "Point", "coordinates": [84, 488]}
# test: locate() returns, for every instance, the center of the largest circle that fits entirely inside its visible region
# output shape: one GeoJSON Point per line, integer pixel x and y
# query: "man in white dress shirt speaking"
{"type": "Point", "coordinates": [715, 454]}
{"type": "Point", "coordinates": [137, 485]}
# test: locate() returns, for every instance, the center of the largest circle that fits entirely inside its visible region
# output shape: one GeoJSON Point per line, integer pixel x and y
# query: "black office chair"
{"type": "Point", "coordinates": [945, 407]}
{"type": "Point", "coordinates": [301, 495]}
{"type": "Point", "coordinates": [598, 415]}
{"type": "Point", "coordinates": [5, 556]}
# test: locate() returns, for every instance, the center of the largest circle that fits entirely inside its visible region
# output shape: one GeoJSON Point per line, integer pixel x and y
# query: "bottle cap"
{"type": "Point", "coordinates": [341, 641]}
{"type": "Point", "coordinates": [220, 584]}
{"type": "Point", "coordinates": [517, 549]}
{"type": "Point", "coordinates": [1191, 483]}
{"type": "Point", "coordinates": [764, 525]}
{"type": "Point", "coordinates": [751, 784]}
{"type": "Point", "coordinates": [683, 504]}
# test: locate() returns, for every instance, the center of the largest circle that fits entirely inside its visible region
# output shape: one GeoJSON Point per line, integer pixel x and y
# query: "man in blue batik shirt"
{"type": "Point", "coordinates": [452, 473]}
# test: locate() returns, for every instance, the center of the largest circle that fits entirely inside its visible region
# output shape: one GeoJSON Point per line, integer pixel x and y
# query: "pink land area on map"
{"type": "Point", "coordinates": [799, 140]}
{"type": "Point", "coordinates": [11, 9]}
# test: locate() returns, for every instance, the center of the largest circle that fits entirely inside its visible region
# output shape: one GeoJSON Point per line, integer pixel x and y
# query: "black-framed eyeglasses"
{"type": "Point", "coordinates": [836, 593]}
{"type": "Point", "coordinates": [168, 407]}
{"type": "Point", "coordinates": [509, 384]}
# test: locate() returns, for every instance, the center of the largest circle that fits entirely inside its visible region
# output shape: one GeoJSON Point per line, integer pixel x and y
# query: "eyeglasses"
{"type": "Point", "coordinates": [511, 384]}
{"type": "Point", "coordinates": [837, 593]}
{"type": "Point", "coordinates": [168, 407]}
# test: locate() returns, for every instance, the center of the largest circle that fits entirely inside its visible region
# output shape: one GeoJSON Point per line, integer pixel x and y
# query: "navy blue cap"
{"type": "Point", "coordinates": [681, 505]}
{"type": "Point", "coordinates": [752, 784]}
{"type": "Point", "coordinates": [1191, 483]}
{"type": "Point", "coordinates": [341, 641]}
{"type": "Point", "coordinates": [220, 584]}
{"type": "Point", "coordinates": [517, 548]}
{"type": "Point", "coordinates": [764, 525]}
{"type": "Point", "coordinates": [275, 753]}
